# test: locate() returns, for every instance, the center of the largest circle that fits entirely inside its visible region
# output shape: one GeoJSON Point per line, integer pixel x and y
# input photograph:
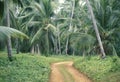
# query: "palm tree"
{"type": "Point", "coordinates": [6, 22]}
{"type": "Point", "coordinates": [20, 21]}
{"type": "Point", "coordinates": [43, 34]}
{"type": "Point", "coordinates": [70, 25]}
{"type": "Point", "coordinates": [107, 16]}
{"type": "Point", "coordinates": [7, 32]}
{"type": "Point", "coordinates": [7, 19]}
{"type": "Point", "coordinates": [95, 28]}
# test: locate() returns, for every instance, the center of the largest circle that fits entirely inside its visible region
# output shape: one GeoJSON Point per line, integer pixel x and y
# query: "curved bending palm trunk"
{"type": "Point", "coordinates": [70, 26]}
{"type": "Point", "coordinates": [96, 29]}
{"type": "Point", "coordinates": [9, 46]}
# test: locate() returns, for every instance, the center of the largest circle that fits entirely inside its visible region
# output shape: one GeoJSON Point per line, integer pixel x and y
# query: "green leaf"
{"type": "Point", "coordinates": [6, 32]}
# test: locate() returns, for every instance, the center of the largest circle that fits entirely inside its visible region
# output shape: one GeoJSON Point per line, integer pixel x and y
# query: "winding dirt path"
{"type": "Point", "coordinates": [65, 72]}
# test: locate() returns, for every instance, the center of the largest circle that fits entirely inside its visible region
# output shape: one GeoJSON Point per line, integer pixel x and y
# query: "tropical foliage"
{"type": "Point", "coordinates": [65, 28]}
{"type": "Point", "coordinates": [106, 13]}
{"type": "Point", "coordinates": [100, 70]}
{"type": "Point", "coordinates": [59, 27]}
{"type": "Point", "coordinates": [5, 32]}
{"type": "Point", "coordinates": [27, 67]}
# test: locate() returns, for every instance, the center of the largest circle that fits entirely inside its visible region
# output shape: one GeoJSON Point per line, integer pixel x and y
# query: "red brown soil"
{"type": "Point", "coordinates": [57, 76]}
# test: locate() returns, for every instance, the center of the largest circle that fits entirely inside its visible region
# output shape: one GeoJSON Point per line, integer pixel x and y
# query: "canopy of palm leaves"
{"type": "Point", "coordinates": [6, 32]}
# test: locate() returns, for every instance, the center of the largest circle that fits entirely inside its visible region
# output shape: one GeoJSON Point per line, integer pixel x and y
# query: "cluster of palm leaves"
{"type": "Point", "coordinates": [107, 16]}
{"type": "Point", "coordinates": [65, 28]}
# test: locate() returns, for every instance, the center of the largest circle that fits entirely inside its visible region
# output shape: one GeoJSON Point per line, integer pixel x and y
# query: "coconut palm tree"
{"type": "Point", "coordinates": [42, 23]}
{"type": "Point", "coordinates": [6, 32]}
{"type": "Point", "coordinates": [69, 25]}
{"type": "Point", "coordinates": [20, 21]}
{"type": "Point", "coordinates": [107, 17]}
{"type": "Point", "coordinates": [96, 28]}
{"type": "Point", "coordinates": [6, 22]}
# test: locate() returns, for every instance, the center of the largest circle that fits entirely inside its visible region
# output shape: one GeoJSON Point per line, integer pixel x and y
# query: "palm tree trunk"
{"type": "Point", "coordinates": [96, 28]}
{"type": "Point", "coordinates": [66, 47]}
{"type": "Point", "coordinates": [56, 46]}
{"type": "Point", "coordinates": [70, 26]}
{"type": "Point", "coordinates": [47, 38]}
{"type": "Point", "coordinates": [17, 46]}
{"type": "Point", "coordinates": [72, 13]}
{"type": "Point", "coordinates": [58, 39]}
{"type": "Point", "coordinates": [38, 49]}
{"type": "Point", "coordinates": [33, 50]}
{"type": "Point", "coordinates": [59, 44]}
{"type": "Point", "coordinates": [9, 46]}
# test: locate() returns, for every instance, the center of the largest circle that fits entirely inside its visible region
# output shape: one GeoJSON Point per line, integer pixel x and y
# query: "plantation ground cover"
{"type": "Point", "coordinates": [34, 68]}
{"type": "Point", "coordinates": [25, 68]}
{"type": "Point", "coordinates": [100, 70]}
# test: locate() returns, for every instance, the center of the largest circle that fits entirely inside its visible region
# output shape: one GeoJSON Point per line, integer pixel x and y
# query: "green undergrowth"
{"type": "Point", "coordinates": [100, 70]}
{"type": "Point", "coordinates": [34, 68]}
{"type": "Point", "coordinates": [25, 68]}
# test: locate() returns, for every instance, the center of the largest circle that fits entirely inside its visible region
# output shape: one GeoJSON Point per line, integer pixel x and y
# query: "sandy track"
{"type": "Point", "coordinates": [58, 76]}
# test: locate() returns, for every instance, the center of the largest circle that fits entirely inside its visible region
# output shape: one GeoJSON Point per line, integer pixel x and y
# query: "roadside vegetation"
{"type": "Point", "coordinates": [100, 70]}
{"type": "Point", "coordinates": [24, 68]}
{"type": "Point", "coordinates": [32, 67]}
{"type": "Point", "coordinates": [47, 31]}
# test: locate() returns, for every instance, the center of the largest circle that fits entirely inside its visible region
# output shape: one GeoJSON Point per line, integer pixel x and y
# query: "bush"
{"type": "Point", "coordinates": [96, 68]}
{"type": "Point", "coordinates": [24, 68]}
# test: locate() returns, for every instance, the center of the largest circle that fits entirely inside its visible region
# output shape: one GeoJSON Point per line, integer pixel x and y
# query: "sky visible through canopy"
{"type": "Point", "coordinates": [61, 1]}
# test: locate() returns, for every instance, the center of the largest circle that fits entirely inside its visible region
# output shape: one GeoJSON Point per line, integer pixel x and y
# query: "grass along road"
{"type": "Point", "coordinates": [65, 72]}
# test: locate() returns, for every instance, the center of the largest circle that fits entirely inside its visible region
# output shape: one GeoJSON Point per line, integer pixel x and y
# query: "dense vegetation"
{"type": "Point", "coordinates": [71, 27]}
{"type": "Point", "coordinates": [29, 67]}
{"type": "Point", "coordinates": [106, 70]}
{"type": "Point", "coordinates": [25, 68]}
{"type": "Point", "coordinates": [63, 27]}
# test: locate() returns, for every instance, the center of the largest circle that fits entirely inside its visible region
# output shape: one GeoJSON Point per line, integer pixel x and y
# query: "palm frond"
{"type": "Point", "coordinates": [40, 8]}
{"type": "Point", "coordinates": [37, 35]}
{"type": "Point", "coordinates": [6, 32]}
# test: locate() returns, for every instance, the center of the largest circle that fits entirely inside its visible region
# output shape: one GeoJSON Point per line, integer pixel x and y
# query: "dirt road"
{"type": "Point", "coordinates": [65, 72]}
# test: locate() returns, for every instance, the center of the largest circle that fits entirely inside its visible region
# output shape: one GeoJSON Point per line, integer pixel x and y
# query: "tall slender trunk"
{"type": "Point", "coordinates": [58, 38]}
{"type": "Point", "coordinates": [70, 26]}
{"type": "Point", "coordinates": [59, 44]}
{"type": "Point", "coordinates": [33, 49]}
{"type": "Point", "coordinates": [53, 45]}
{"type": "Point", "coordinates": [56, 47]}
{"type": "Point", "coordinates": [17, 46]}
{"type": "Point", "coordinates": [72, 13]}
{"type": "Point", "coordinates": [38, 49]}
{"type": "Point", "coordinates": [96, 28]}
{"type": "Point", "coordinates": [47, 38]}
{"type": "Point", "coordinates": [66, 47]}
{"type": "Point", "coordinates": [9, 46]}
